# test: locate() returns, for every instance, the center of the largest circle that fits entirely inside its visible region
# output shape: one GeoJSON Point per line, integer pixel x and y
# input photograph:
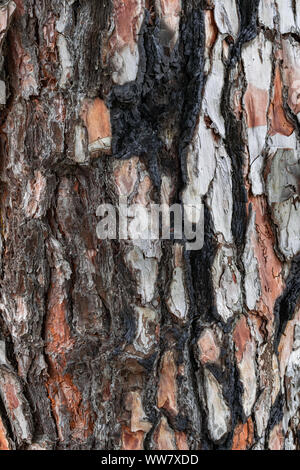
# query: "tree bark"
{"type": "Point", "coordinates": [118, 344]}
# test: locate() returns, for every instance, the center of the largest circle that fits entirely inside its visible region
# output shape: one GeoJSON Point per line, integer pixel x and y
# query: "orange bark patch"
{"type": "Point", "coordinates": [138, 418]}
{"type": "Point", "coordinates": [243, 436]}
{"type": "Point", "coordinates": [256, 104]}
{"type": "Point", "coordinates": [65, 397]}
{"type": "Point", "coordinates": [211, 29]}
{"type": "Point", "coordinates": [241, 337]}
{"type": "Point", "coordinates": [269, 265]}
{"type": "Point", "coordinates": [63, 393]}
{"type": "Point", "coordinates": [4, 443]}
{"type": "Point", "coordinates": [11, 397]}
{"type": "Point", "coordinates": [58, 330]}
{"type": "Point", "coordinates": [164, 436]}
{"type": "Point", "coordinates": [96, 118]}
{"type": "Point", "coordinates": [132, 440]}
{"type": "Point", "coordinates": [127, 21]}
{"type": "Point", "coordinates": [181, 441]}
{"type": "Point", "coordinates": [170, 7]}
{"type": "Point", "coordinates": [278, 120]}
{"type": "Point", "coordinates": [166, 396]}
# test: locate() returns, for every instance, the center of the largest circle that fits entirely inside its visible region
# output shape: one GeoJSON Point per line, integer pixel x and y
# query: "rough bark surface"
{"type": "Point", "coordinates": [108, 344]}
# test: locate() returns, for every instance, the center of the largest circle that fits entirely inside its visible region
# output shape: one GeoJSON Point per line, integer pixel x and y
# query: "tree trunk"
{"type": "Point", "coordinates": [126, 344]}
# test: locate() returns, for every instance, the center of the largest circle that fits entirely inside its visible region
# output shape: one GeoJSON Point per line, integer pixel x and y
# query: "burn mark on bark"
{"type": "Point", "coordinates": [276, 414]}
{"type": "Point", "coordinates": [285, 305]}
{"type": "Point", "coordinates": [234, 128]}
{"type": "Point", "coordinates": [248, 10]}
{"type": "Point", "coordinates": [201, 262]}
{"type": "Point", "coordinates": [235, 149]}
{"type": "Point", "coordinates": [192, 44]}
{"type": "Point", "coordinates": [136, 107]}
{"type": "Point", "coordinates": [167, 91]}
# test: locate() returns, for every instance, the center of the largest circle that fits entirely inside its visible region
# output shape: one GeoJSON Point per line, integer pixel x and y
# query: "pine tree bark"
{"type": "Point", "coordinates": [114, 344]}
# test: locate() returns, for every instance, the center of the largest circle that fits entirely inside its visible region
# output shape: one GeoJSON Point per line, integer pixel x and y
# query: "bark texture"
{"type": "Point", "coordinates": [108, 344]}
